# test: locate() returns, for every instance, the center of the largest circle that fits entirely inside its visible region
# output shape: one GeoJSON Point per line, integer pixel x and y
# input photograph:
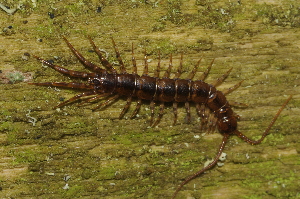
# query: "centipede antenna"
{"type": "Point", "coordinates": [65, 71]}
{"type": "Point", "coordinates": [213, 163]}
{"type": "Point", "coordinates": [134, 68]}
{"type": "Point", "coordinates": [168, 71]}
{"type": "Point", "coordinates": [75, 85]}
{"type": "Point", "coordinates": [267, 131]}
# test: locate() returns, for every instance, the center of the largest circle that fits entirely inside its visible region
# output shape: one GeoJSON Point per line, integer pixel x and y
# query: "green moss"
{"type": "Point", "coordinates": [174, 13]}
{"type": "Point", "coordinates": [5, 113]}
{"type": "Point", "coordinates": [251, 184]}
{"type": "Point", "coordinates": [74, 191]}
{"type": "Point", "coordinates": [160, 26]}
{"type": "Point", "coordinates": [253, 196]}
{"type": "Point", "coordinates": [12, 138]}
{"type": "Point", "coordinates": [15, 77]}
{"type": "Point", "coordinates": [106, 173]}
{"type": "Point", "coordinates": [202, 44]}
{"type": "Point", "coordinates": [45, 30]}
{"type": "Point", "coordinates": [25, 156]}
{"type": "Point", "coordinates": [75, 8]}
{"type": "Point", "coordinates": [7, 126]}
{"type": "Point", "coordinates": [153, 46]}
{"type": "Point", "coordinates": [209, 15]}
{"type": "Point", "coordinates": [278, 15]}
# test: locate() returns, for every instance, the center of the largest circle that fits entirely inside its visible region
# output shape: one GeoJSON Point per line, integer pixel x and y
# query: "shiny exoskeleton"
{"type": "Point", "coordinates": [211, 105]}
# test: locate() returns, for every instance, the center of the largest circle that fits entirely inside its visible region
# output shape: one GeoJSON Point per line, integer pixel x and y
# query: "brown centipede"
{"type": "Point", "coordinates": [111, 84]}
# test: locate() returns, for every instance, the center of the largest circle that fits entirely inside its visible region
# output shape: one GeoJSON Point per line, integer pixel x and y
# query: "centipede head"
{"type": "Point", "coordinates": [227, 125]}
{"type": "Point", "coordinates": [97, 83]}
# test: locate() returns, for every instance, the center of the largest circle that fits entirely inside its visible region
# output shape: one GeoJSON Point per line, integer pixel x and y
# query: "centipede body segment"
{"type": "Point", "coordinates": [211, 105]}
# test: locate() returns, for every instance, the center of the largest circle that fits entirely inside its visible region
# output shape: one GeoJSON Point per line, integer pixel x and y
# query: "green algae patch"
{"type": "Point", "coordinates": [25, 156]}
{"type": "Point", "coordinates": [74, 192]}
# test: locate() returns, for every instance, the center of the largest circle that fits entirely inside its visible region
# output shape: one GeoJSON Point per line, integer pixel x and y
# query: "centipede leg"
{"type": "Point", "coordinates": [160, 114]}
{"type": "Point", "coordinates": [168, 71]}
{"type": "Point", "coordinates": [229, 90]}
{"type": "Point", "coordinates": [188, 112]}
{"type": "Point", "coordinates": [192, 74]}
{"type": "Point", "coordinates": [157, 71]}
{"type": "Point", "coordinates": [152, 107]}
{"type": "Point", "coordinates": [134, 67]}
{"type": "Point", "coordinates": [122, 67]}
{"type": "Point", "coordinates": [145, 73]}
{"type": "Point", "coordinates": [179, 69]}
{"type": "Point", "coordinates": [125, 107]}
{"type": "Point", "coordinates": [75, 98]}
{"type": "Point", "coordinates": [212, 123]}
{"type": "Point", "coordinates": [209, 123]}
{"type": "Point", "coordinates": [94, 98]}
{"type": "Point", "coordinates": [107, 102]}
{"type": "Point", "coordinates": [238, 104]}
{"type": "Point", "coordinates": [206, 72]}
{"type": "Point", "coordinates": [103, 61]}
{"type": "Point", "coordinates": [73, 85]}
{"type": "Point", "coordinates": [137, 108]}
{"type": "Point", "coordinates": [175, 105]}
{"type": "Point", "coordinates": [177, 75]}
{"type": "Point", "coordinates": [89, 65]}
{"type": "Point", "coordinates": [162, 106]}
{"type": "Point", "coordinates": [201, 110]}
{"type": "Point", "coordinates": [222, 78]}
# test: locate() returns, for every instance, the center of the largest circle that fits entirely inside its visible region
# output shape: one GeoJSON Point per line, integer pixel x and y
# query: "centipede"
{"type": "Point", "coordinates": [212, 106]}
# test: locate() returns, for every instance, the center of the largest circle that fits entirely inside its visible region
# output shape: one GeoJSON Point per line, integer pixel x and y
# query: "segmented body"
{"type": "Point", "coordinates": [105, 83]}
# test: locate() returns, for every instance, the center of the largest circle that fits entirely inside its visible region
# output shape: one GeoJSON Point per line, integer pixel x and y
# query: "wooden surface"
{"type": "Point", "coordinates": [40, 148]}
